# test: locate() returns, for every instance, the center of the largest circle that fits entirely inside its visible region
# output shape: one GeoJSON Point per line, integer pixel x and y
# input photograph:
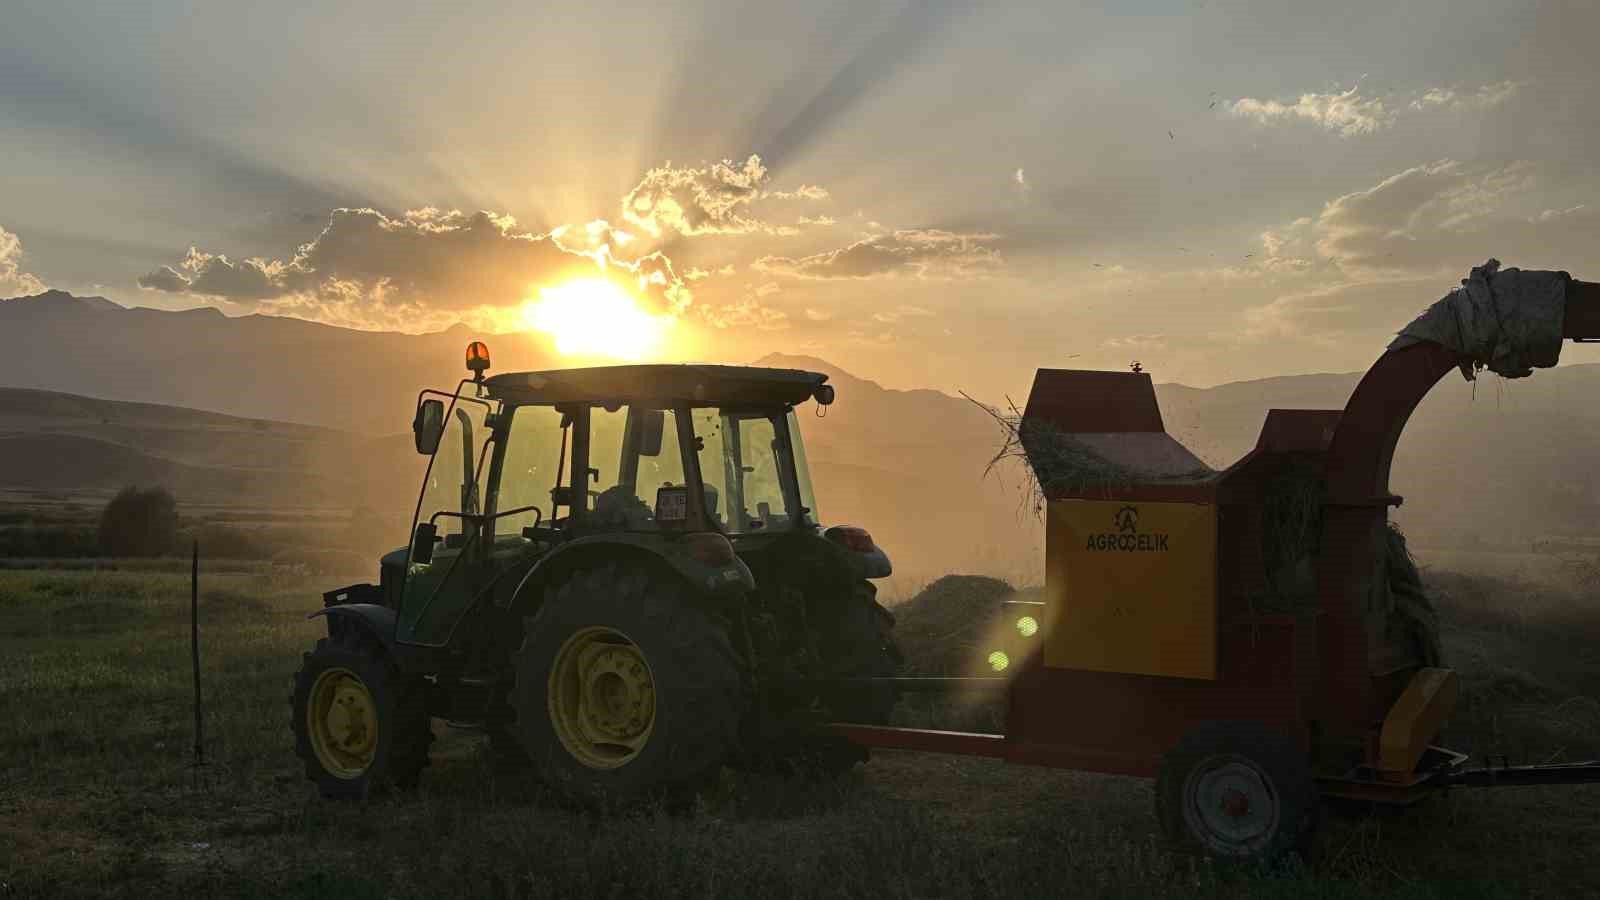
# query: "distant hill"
{"type": "Point", "coordinates": [307, 412]}
{"type": "Point", "coordinates": [68, 443]}
{"type": "Point", "coordinates": [267, 367]}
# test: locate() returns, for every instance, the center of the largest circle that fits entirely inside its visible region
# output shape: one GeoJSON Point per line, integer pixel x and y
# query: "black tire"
{"type": "Point", "coordinates": [694, 677]}
{"type": "Point", "coordinates": [506, 756]}
{"type": "Point", "coordinates": [864, 647]}
{"type": "Point", "coordinates": [399, 702]}
{"type": "Point", "coordinates": [1238, 791]}
{"type": "Point", "coordinates": [860, 644]}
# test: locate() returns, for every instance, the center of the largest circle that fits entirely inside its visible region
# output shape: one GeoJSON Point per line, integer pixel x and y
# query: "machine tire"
{"type": "Point", "coordinates": [1237, 791]}
{"type": "Point", "coordinates": [392, 738]}
{"type": "Point", "coordinates": [691, 674]}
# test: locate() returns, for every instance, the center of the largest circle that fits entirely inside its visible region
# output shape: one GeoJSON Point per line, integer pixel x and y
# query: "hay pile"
{"type": "Point", "coordinates": [948, 628]}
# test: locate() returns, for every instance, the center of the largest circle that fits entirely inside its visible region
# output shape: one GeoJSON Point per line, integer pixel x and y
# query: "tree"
{"type": "Point", "coordinates": [139, 522]}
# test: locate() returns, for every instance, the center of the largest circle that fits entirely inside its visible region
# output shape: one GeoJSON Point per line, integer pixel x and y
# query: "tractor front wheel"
{"type": "Point", "coordinates": [1237, 791]}
{"type": "Point", "coordinates": [359, 723]}
{"type": "Point", "coordinates": [624, 690]}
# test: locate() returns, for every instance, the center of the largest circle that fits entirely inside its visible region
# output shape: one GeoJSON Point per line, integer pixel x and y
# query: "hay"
{"type": "Point", "coordinates": [1291, 535]}
{"type": "Point", "coordinates": [1059, 462]}
{"type": "Point", "coordinates": [1413, 619]}
{"type": "Point", "coordinates": [944, 629]}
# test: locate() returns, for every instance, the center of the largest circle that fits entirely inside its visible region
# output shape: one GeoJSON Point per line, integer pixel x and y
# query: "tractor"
{"type": "Point", "coordinates": [619, 576]}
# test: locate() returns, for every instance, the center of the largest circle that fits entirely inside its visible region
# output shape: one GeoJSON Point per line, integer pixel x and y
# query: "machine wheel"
{"type": "Point", "coordinates": [359, 723]}
{"type": "Point", "coordinates": [1237, 791]}
{"type": "Point", "coordinates": [624, 691]}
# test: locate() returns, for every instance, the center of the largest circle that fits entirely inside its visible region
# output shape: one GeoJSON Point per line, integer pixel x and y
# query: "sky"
{"type": "Point", "coordinates": [927, 194]}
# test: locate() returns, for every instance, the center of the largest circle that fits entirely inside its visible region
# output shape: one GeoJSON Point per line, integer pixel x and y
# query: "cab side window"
{"type": "Point", "coordinates": [533, 459]}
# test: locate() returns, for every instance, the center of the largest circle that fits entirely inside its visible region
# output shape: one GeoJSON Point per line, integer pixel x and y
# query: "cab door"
{"type": "Point", "coordinates": [454, 498]}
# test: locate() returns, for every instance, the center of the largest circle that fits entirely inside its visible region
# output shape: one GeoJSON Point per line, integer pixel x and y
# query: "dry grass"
{"type": "Point", "coordinates": [97, 799]}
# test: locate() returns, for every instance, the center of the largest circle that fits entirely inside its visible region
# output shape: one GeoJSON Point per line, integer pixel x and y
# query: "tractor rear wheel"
{"type": "Point", "coordinates": [1237, 791]}
{"type": "Point", "coordinates": [359, 723]}
{"type": "Point", "coordinates": [624, 690]}
{"type": "Point", "coordinates": [860, 644]}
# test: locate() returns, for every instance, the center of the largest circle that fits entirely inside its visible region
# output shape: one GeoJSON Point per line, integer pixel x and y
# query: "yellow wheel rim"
{"type": "Point", "coordinates": [602, 698]}
{"type": "Point", "coordinates": [342, 720]}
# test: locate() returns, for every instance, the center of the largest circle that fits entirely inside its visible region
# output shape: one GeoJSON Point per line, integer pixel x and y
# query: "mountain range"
{"type": "Point", "coordinates": [267, 411]}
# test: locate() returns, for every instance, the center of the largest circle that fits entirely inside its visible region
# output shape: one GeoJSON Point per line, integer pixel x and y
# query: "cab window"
{"type": "Point", "coordinates": [631, 465]}
{"type": "Point", "coordinates": [533, 463]}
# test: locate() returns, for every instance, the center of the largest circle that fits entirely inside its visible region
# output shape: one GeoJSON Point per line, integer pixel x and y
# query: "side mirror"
{"type": "Point", "coordinates": [651, 428]}
{"type": "Point", "coordinates": [428, 426]}
{"type": "Point", "coordinates": [422, 543]}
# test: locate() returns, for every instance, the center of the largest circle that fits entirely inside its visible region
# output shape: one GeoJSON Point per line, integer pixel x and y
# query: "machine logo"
{"type": "Point", "coordinates": [1127, 536]}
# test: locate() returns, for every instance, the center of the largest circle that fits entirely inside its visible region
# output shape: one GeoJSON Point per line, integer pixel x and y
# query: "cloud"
{"type": "Point", "coordinates": [429, 264]}
{"type": "Point", "coordinates": [1345, 112]}
{"type": "Point", "coordinates": [1486, 97]}
{"type": "Point", "coordinates": [1020, 179]}
{"type": "Point", "coordinates": [214, 275]}
{"type": "Point", "coordinates": [13, 281]}
{"type": "Point", "coordinates": [747, 312]}
{"type": "Point", "coordinates": [903, 311]}
{"type": "Point", "coordinates": [1136, 342]}
{"type": "Point", "coordinates": [165, 279]}
{"type": "Point", "coordinates": [710, 199]}
{"type": "Point", "coordinates": [1350, 113]}
{"type": "Point", "coordinates": [922, 253]}
{"type": "Point", "coordinates": [803, 192]}
{"type": "Point", "coordinates": [1331, 314]}
{"type": "Point", "coordinates": [1418, 217]}
{"type": "Point", "coordinates": [1372, 259]}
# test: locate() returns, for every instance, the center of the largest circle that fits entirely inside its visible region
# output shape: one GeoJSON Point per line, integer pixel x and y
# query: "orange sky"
{"type": "Point", "coordinates": [927, 194]}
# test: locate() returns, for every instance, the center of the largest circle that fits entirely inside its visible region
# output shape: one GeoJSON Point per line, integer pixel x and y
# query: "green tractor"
{"type": "Point", "coordinates": [619, 576]}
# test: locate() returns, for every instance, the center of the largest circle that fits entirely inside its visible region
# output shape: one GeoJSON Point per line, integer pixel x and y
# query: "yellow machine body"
{"type": "Point", "coordinates": [1415, 719]}
{"type": "Point", "coordinates": [1131, 587]}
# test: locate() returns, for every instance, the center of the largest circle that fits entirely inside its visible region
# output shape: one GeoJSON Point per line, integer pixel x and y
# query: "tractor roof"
{"type": "Point", "coordinates": [694, 384]}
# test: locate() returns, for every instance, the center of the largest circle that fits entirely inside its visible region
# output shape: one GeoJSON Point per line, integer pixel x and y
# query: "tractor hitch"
{"type": "Point", "coordinates": [1522, 776]}
{"type": "Point", "coordinates": [908, 684]}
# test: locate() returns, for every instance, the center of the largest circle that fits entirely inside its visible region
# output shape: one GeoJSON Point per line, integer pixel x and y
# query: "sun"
{"type": "Point", "coordinates": [597, 317]}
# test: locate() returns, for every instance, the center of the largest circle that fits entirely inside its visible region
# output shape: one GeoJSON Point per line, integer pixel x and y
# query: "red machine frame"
{"type": "Point", "coordinates": [1308, 677]}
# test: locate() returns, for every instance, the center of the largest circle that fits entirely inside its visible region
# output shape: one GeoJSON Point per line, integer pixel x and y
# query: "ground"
{"type": "Point", "coordinates": [98, 796]}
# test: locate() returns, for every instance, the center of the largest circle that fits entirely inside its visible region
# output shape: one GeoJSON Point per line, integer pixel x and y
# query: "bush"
{"type": "Point", "coordinates": [139, 522]}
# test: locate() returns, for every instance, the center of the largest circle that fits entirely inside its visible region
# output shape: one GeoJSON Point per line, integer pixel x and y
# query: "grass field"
{"type": "Point", "coordinates": [97, 797]}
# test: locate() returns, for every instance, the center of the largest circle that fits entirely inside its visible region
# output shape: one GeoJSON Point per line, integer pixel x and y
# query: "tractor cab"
{"type": "Point", "coordinates": [680, 458]}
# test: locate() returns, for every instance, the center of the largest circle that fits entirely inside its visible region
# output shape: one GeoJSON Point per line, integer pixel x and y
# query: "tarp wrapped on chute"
{"type": "Point", "coordinates": [1506, 320]}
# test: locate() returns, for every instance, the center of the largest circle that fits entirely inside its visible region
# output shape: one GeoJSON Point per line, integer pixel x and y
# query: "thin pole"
{"type": "Point", "coordinates": [194, 653]}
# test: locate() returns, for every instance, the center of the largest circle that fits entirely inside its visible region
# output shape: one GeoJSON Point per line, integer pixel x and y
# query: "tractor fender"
{"type": "Point", "coordinates": [849, 565]}
{"type": "Point", "coordinates": [718, 584]}
{"type": "Point", "coordinates": [378, 621]}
